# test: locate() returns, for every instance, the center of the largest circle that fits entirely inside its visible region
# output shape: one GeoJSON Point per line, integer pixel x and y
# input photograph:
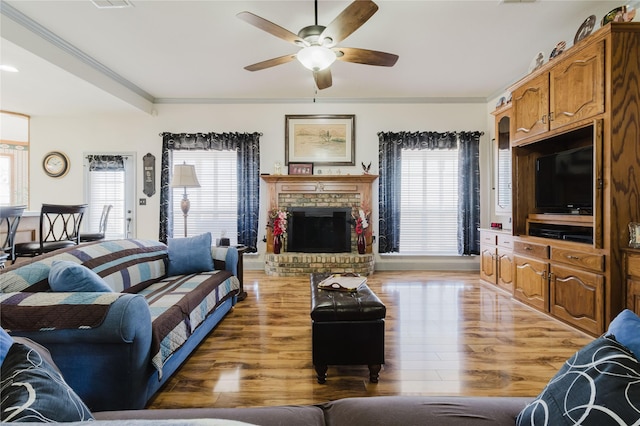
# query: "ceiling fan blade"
{"type": "Point", "coordinates": [323, 78]}
{"type": "Point", "coordinates": [349, 20]}
{"type": "Point", "coordinates": [270, 63]}
{"type": "Point", "coordinates": [365, 56]}
{"type": "Point", "coordinates": [271, 28]}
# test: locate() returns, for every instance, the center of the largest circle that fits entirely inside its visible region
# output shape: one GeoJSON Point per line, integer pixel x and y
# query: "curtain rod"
{"type": "Point", "coordinates": [204, 134]}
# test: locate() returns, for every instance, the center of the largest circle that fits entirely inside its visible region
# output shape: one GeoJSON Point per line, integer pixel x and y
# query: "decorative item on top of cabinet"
{"type": "Point", "coordinates": [634, 235]}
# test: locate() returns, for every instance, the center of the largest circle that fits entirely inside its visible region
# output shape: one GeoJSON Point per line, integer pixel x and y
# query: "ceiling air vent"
{"type": "Point", "coordinates": [111, 4]}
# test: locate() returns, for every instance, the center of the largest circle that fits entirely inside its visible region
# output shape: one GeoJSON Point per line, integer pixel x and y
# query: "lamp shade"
{"type": "Point", "coordinates": [316, 58]}
{"type": "Point", "coordinates": [184, 176]}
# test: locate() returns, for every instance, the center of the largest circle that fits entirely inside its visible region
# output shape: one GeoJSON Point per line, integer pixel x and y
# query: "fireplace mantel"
{"type": "Point", "coordinates": [317, 184]}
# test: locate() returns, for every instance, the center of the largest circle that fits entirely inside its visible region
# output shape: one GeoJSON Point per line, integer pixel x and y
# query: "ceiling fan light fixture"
{"type": "Point", "coordinates": [316, 58]}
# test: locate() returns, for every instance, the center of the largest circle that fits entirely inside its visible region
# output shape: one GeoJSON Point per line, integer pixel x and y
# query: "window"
{"type": "Point", "coordinates": [111, 180]}
{"type": "Point", "coordinates": [14, 159]}
{"type": "Point", "coordinates": [214, 206]}
{"type": "Point", "coordinates": [429, 202]}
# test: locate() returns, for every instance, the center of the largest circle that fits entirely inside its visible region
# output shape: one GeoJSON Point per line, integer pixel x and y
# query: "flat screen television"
{"type": "Point", "coordinates": [564, 181]}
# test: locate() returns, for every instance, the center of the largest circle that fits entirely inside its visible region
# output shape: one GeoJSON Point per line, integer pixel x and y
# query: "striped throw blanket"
{"type": "Point", "coordinates": [180, 304]}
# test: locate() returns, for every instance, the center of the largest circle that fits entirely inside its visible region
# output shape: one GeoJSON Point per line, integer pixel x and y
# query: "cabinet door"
{"type": "Point", "coordinates": [505, 270]}
{"type": "Point", "coordinates": [531, 108]}
{"type": "Point", "coordinates": [577, 86]}
{"type": "Point", "coordinates": [502, 163]}
{"type": "Point", "coordinates": [633, 295]}
{"type": "Point", "coordinates": [577, 297]}
{"type": "Point", "coordinates": [488, 263]}
{"type": "Point", "coordinates": [531, 282]}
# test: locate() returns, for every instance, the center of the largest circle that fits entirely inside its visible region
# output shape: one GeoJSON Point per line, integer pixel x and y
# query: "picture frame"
{"type": "Point", "coordinates": [320, 139]}
{"type": "Point", "coordinates": [301, 169]}
{"type": "Point", "coordinates": [634, 234]}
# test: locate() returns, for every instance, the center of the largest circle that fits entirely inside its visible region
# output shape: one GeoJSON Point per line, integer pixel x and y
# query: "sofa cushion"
{"type": "Point", "coordinates": [598, 385]}
{"type": "Point", "coordinates": [190, 255]}
{"type": "Point", "coordinates": [65, 275]}
{"type": "Point", "coordinates": [34, 390]}
{"type": "Point", "coordinates": [307, 415]}
{"type": "Point", "coordinates": [420, 410]}
{"type": "Point", "coordinates": [626, 330]}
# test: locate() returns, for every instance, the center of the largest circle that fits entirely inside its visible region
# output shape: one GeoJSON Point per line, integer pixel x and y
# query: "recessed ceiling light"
{"type": "Point", "coordinates": [8, 68]}
{"type": "Point", "coordinates": [112, 4]}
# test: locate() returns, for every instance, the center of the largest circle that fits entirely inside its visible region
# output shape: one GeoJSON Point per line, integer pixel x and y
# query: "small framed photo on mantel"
{"type": "Point", "coordinates": [300, 168]}
{"type": "Point", "coordinates": [320, 139]}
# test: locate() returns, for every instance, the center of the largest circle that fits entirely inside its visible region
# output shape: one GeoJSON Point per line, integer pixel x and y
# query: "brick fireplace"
{"type": "Point", "coordinates": [319, 193]}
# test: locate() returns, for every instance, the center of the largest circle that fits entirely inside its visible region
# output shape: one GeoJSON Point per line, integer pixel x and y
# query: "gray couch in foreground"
{"type": "Point", "coordinates": [371, 411]}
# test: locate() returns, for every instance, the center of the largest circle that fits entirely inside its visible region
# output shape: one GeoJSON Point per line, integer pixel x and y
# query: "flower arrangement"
{"type": "Point", "coordinates": [361, 221]}
{"type": "Point", "coordinates": [278, 222]}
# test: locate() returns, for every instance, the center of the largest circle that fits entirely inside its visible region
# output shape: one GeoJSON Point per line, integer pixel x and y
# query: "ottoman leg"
{"type": "Point", "coordinates": [374, 369]}
{"type": "Point", "coordinates": [321, 371]}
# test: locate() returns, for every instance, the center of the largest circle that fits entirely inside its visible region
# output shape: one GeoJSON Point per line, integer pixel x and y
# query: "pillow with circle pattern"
{"type": "Point", "coordinates": [33, 390]}
{"type": "Point", "coordinates": [598, 385]}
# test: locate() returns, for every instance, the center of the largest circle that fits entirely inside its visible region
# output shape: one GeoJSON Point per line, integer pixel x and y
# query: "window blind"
{"type": "Point", "coordinates": [429, 202]}
{"type": "Point", "coordinates": [214, 206]}
{"type": "Point", "coordinates": [107, 185]}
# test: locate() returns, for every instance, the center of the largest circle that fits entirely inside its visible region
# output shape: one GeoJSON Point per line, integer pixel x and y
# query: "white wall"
{"type": "Point", "coordinates": [140, 133]}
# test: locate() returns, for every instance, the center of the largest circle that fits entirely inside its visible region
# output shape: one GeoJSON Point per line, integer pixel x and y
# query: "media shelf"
{"type": "Point", "coordinates": [577, 231]}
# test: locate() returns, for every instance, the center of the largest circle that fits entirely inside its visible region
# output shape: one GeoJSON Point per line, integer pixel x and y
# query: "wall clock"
{"type": "Point", "coordinates": [55, 164]}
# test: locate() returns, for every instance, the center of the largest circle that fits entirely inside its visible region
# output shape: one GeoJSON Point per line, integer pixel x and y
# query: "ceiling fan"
{"type": "Point", "coordinates": [318, 43]}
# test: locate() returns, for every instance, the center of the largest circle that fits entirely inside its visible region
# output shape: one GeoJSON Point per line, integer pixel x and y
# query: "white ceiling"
{"type": "Point", "coordinates": [75, 58]}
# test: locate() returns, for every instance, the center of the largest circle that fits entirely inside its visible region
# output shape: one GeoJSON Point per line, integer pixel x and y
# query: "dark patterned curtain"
{"type": "Point", "coordinates": [105, 162]}
{"type": "Point", "coordinates": [390, 149]}
{"type": "Point", "coordinates": [469, 193]}
{"type": "Point", "coordinates": [248, 147]}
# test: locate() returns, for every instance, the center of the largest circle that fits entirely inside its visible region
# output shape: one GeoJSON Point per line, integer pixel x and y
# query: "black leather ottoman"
{"type": "Point", "coordinates": [347, 329]}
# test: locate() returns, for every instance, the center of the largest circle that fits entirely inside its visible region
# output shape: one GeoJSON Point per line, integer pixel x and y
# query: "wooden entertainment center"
{"type": "Point", "coordinates": [571, 265]}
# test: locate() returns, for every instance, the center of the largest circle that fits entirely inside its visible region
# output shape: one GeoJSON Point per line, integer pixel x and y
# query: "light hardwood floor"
{"type": "Point", "coordinates": [446, 334]}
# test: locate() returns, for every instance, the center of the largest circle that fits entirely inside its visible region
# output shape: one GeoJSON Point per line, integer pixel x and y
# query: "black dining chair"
{"type": "Point", "coordinates": [9, 221]}
{"type": "Point", "coordinates": [102, 227]}
{"type": "Point", "coordinates": [59, 228]}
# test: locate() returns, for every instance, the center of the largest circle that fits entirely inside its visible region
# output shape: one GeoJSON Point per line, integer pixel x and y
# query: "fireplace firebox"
{"type": "Point", "coordinates": [319, 230]}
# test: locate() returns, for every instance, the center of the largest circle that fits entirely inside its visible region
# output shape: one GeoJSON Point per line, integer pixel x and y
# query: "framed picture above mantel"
{"type": "Point", "coordinates": [320, 139]}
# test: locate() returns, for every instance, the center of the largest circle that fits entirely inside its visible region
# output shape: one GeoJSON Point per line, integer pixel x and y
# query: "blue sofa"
{"type": "Point", "coordinates": [117, 348]}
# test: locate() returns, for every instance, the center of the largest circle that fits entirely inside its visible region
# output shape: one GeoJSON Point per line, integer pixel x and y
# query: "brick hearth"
{"type": "Point", "coordinates": [295, 264]}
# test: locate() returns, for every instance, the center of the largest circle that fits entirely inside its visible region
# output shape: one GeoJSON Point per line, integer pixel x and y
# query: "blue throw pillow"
{"type": "Point", "coordinates": [190, 255]}
{"type": "Point", "coordinates": [626, 330]}
{"type": "Point", "coordinates": [5, 343]}
{"type": "Point", "coordinates": [598, 385]}
{"type": "Point", "coordinates": [34, 391]}
{"type": "Point", "coordinates": [65, 275]}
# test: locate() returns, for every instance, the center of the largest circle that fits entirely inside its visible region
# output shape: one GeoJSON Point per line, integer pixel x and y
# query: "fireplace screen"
{"type": "Point", "coordinates": [319, 230]}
